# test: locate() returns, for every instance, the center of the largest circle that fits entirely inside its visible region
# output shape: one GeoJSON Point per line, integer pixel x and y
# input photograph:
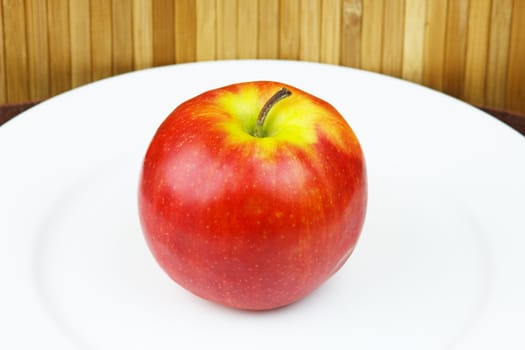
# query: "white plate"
{"type": "Point", "coordinates": [440, 263]}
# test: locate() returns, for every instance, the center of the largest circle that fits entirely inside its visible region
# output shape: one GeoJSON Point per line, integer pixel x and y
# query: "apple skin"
{"type": "Point", "coordinates": [251, 222]}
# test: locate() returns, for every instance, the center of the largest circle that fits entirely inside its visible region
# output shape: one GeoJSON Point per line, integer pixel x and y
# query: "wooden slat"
{"type": "Point", "coordinates": [515, 99]}
{"type": "Point", "coordinates": [433, 53]}
{"type": "Point", "coordinates": [122, 36]}
{"type": "Point", "coordinates": [185, 30]}
{"type": "Point", "coordinates": [414, 40]}
{"type": "Point", "coordinates": [393, 34]}
{"type": "Point", "coordinates": [37, 49]}
{"type": "Point", "coordinates": [289, 30]}
{"type": "Point", "coordinates": [247, 29]}
{"type": "Point", "coordinates": [455, 47]}
{"type": "Point", "coordinates": [3, 87]}
{"type": "Point", "coordinates": [80, 29]}
{"type": "Point", "coordinates": [310, 30]}
{"type": "Point", "coordinates": [498, 53]}
{"type": "Point", "coordinates": [226, 29]}
{"type": "Point", "coordinates": [268, 37]}
{"type": "Point", "coordinates": [477, 51]}
{"type": "Point", "coordinates": [101, 42]}
{"type": "Point", "coordinates": [206, 30]}
{"type": "Point", "coordinates": [330, 45]}
{"type": "Point", "coordinates": [142, 34]}
{"type": "Point", "coordinates": [15, 51]}
{"type": "Point", "coordinates": [163, 32]}
{"type": "Point", "coordinates": [351, 33]}
{"type": "Point", "coordinates": [59, 46]}
{"type": "Point", "coordinates": [372, 35]}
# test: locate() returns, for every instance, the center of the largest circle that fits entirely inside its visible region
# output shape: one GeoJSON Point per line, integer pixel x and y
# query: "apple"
{"type": "Point", "coordinates": [253, 194]}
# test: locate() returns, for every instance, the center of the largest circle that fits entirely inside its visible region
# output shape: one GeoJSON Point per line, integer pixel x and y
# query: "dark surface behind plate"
{"type": "Point", "coordinates": [514, 120]}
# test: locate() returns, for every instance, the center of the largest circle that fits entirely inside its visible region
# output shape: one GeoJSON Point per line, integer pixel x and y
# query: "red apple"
{"type": "Point", "coordinates": [253, 194]}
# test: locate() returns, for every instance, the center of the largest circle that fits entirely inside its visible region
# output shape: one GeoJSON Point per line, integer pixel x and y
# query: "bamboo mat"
{"type": "Point", "coordinates": [470, 49]}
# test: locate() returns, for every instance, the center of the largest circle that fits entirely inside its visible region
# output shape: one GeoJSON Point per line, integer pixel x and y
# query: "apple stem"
{"type": "Point", "coordinates": [278, 96]}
